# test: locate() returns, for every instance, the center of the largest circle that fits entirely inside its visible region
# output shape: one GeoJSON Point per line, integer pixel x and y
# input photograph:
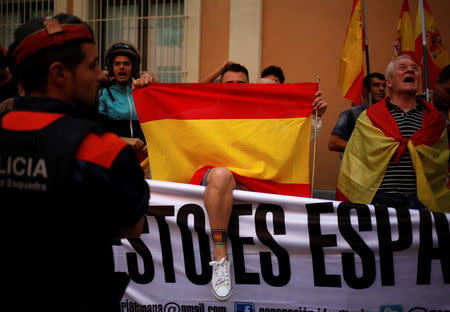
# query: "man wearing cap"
{"type": "Point", "coordinates": [116, 100]}
{"type": "Point", "coordinates": [67, 188]}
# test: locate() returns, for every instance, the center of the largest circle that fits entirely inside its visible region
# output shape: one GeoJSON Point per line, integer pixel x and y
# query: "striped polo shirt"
{"type": "Point", "coordinates": [400, 177]}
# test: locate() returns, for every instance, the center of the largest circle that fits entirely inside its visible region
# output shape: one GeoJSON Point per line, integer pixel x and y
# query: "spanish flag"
{"type": "Point", "coordinates": [351, 70]}
{"type": "Point", "coordinates": [377, 139]}
{"type": "Point", "coordinates": [261, 132]}
{"type": "Point", "coordinates": [404, 38]}
{"type": "Point", "coordinates": [437, 56]}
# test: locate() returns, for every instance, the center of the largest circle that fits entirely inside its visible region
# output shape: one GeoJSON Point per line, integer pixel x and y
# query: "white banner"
{"type": "Point", "coordinates": [289, 254]}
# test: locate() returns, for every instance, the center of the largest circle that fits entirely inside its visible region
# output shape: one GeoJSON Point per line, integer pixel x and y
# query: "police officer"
{"type": "Point", "coordinates": [68, 189]}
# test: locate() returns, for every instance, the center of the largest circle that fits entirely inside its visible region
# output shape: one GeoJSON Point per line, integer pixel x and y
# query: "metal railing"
{"type": "Point", "coordinates": [155, 27]}
{"type": "Point", "coordinates": [16, 12]}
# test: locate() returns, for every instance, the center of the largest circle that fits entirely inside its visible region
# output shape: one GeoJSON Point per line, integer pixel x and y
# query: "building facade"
{"type": "Point", "coordinates": [186, 40]}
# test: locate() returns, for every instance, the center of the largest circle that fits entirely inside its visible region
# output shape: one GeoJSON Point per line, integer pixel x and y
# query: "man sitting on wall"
{"type": "Point", "coordinates": [218, 199]}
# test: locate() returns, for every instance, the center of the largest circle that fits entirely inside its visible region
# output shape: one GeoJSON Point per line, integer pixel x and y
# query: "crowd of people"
{"type": "Point", "coordinates": [73, 136]}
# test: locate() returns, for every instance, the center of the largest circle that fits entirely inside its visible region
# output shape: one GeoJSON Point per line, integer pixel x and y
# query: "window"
{"type": "Point", "coordinates": [155, 27]}
{"type": "Point", "coordinates": [166, 32]}
{"type": "Point", "coordinates": [16, 12]}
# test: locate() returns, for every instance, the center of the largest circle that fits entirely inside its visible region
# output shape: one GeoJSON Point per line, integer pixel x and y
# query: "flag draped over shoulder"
{"type": "Point", "coordinates": [404, 38]}
{"type": "Point", "coordinates": [261, 132]}
{"type": "Point", "coordinates": [437, 55]}
{"type": "Point", "coordinates": [377, 138]}
{"type": "Point", "coordinates": [351, 70]}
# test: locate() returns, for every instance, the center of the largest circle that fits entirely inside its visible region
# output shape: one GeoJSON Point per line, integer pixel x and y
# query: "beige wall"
{"type": "Point", "coordinates": [306, 38]}
{"type": "Point", "coordinates": [214, 40]}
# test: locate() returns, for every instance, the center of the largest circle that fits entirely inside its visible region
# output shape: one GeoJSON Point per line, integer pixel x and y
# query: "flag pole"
{"type": "Point", "coordinates": [366, 39]}
{"type": "Point", "coordinates": [316, 117]}
{"type": "Point", "coordinates": [424, 45]}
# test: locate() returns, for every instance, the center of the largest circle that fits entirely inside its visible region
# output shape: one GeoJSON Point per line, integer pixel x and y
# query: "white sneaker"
{"type": "Point", "coordinates": [221, 279]}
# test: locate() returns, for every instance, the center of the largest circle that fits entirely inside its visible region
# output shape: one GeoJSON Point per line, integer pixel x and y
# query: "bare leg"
{"type": "Point", "coordinates": [218, 198]}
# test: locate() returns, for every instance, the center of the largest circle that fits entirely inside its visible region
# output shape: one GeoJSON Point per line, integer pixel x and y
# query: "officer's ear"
{"type": "Point", "coordinates": [57, 74]}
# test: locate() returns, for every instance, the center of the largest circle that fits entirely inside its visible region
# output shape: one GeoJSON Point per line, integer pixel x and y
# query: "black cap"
{"type": "Point", "coordinates": [123, 48]}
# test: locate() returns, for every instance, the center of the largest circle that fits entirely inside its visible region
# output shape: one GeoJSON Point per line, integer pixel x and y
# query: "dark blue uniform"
{"type": "Point", "coordinates": [66, 188]}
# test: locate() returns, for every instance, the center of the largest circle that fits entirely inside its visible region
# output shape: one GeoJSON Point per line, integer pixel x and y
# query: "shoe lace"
{"type": "Point", "coordinates": [221, 272]}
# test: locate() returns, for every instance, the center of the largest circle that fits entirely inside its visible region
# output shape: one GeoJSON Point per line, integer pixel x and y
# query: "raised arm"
{"type": "Point", "coordinates": [211, 77]}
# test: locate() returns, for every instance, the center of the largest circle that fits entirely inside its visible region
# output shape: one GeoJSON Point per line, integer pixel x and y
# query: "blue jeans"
{"type": "Point", "coordinates": [204, 183]}
{"type": "Point", "coordinates": [398, 200]}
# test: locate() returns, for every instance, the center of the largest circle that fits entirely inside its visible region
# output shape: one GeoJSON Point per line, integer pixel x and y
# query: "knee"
{"type": "Point", "coordinates": [221, 178]}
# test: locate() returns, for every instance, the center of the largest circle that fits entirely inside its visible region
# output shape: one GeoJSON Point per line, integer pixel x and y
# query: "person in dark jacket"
{"type": "Point", "coordinates": [68, 189]}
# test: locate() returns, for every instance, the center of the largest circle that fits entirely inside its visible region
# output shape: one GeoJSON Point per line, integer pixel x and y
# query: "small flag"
{"type": "Point", "coordinates": [351, 70]}
{"type": "Point", "coordinates": [404, 39]}
{"type": "Point", "coordinates": [219, 237]}
{"type": "Point", "coordinates": [437, 55]}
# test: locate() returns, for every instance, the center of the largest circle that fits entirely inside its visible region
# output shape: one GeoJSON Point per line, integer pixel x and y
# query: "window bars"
{"type": "Point", "coordinates": [155, 27]}
{"type": "Point", "coordinates": [16, 12]}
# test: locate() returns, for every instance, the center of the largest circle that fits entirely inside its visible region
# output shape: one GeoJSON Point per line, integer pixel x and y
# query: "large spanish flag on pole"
{"type": "Point", "coordinates": [404, 38]}
{"type": "Point", "coordinates": [261, 132]}
{"type": "Point", "coordinates": [437, 55]}
{"type": "Point", "coordinates": [377, 139]}
{"type": "Point", "coordinates": [351, 72]}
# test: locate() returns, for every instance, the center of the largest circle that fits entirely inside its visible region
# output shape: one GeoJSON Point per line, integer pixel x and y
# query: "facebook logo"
{"type": "Point", "coordinates": [391, 308]}
{"type": "Point", "coordinates": [244, 307]}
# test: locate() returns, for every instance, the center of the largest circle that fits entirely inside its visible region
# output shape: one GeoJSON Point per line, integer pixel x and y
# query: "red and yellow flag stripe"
{"type": "Point", "coordinates": [351, 70]}
{"type": "Point", "coordinates": [374, 142]}
{"type": "Point", "coordinates": [437, 55]}
{"type": "Point", "coordinates": [404, 38]}
{"type": "Point", "coordinates": [260, 132]}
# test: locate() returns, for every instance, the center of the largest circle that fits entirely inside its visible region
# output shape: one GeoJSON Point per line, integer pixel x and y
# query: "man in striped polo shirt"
{"type": "Point", "coordinates": [398, 155]}
{"type": "Point", "coordinates": [399, 182]}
